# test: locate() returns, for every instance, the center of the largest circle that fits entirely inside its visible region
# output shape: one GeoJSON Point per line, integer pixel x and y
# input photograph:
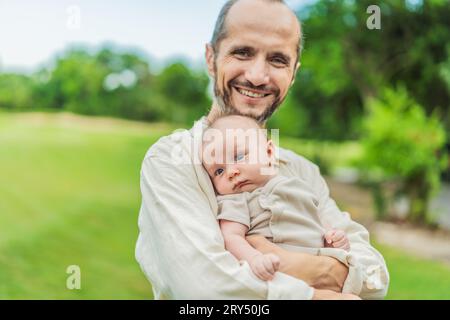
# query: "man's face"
{"type": "Point", "coordinates": [256, 63]}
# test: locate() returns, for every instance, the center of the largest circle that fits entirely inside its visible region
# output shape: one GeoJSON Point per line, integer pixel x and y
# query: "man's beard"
{"type": "Point", "coordinates": [227, 108]}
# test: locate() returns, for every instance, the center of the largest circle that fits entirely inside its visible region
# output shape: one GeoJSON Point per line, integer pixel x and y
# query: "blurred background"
{"type": "Point", "coordinates": [86, 87]}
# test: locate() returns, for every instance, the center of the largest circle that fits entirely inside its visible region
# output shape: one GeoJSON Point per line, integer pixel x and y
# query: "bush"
{"type": "Point", "coordinates": [403, 143]}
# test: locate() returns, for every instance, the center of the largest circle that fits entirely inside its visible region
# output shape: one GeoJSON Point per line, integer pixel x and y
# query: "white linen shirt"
{"type": "Point", "coordinates": [180, 247]}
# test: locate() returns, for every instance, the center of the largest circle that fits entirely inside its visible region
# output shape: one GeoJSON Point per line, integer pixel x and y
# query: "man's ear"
{"type": "Point", "coordinates": [210, 57]}
{"type": "Point", "coordinates": [295, 73]}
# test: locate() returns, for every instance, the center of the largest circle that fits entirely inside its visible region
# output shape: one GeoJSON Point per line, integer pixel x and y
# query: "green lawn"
{"type": "Point", "coordinates": [69, 195]}
{"type": "Point", "coordinates": [414, 278]}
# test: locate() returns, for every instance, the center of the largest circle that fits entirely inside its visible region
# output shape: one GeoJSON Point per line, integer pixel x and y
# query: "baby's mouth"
{"type": "Point", "coordinates": [240, 184]}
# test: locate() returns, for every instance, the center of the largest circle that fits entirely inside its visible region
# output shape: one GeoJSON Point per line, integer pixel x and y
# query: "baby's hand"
{"type": "Point", "coordinates": [337, 239]}
{"type": "Point", "coordinates": [264, 265]}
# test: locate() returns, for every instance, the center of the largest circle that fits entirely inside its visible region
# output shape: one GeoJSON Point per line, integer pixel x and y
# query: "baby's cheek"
{"type": "Point", "coordinates": [217, 186]}
{"type": "Point", "coordinates": [220, 187]}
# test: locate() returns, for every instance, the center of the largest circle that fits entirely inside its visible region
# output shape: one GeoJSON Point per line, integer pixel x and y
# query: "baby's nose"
{"type": "Point", "coordinates": [232, 172]}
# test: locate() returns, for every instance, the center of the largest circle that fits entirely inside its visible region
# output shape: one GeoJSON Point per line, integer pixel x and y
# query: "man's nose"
{"type": "Point", "coordinates": [258, 73]}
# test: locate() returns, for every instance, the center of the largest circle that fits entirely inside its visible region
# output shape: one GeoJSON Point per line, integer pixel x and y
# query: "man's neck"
{"type": "Point", "coordinates": [216, 112]}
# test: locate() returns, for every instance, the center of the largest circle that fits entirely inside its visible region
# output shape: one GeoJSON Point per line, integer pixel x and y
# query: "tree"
{"type": "Point", "coordinates": [185, 92]}
{"type": "Point", "coordinates": [16, 92]}
{"type": "Point", "coordinates": [344, 64]}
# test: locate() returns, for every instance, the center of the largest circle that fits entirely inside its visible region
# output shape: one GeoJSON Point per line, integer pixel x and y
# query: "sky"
{"type": "Point", "coordinates": [32, 32]}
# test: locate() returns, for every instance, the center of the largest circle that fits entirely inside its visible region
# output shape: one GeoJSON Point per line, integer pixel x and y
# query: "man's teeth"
{"type": "Point", "coordinates": [251, 94]}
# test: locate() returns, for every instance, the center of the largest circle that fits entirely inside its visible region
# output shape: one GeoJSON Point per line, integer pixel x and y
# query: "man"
{"type": "Point", "coordinates": [253, 58]}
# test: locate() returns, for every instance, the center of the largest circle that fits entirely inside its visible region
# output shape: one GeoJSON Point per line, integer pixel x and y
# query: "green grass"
{"type": "Point", "coordinates": [414, 278]}
{"type": "Point", "coordinates": [69, 195]}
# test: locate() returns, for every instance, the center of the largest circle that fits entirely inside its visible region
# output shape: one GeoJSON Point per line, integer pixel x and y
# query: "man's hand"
{"type": "Point", "coordinates": [264, 266]}
{"type": "Point", "coordinates": [320, 272]}
{"type": "Point", "coordinates": [331, 295]}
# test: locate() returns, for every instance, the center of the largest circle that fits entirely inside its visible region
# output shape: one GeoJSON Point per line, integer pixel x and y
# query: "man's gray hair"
{"type": "Point", "coordinates": [220, 31]}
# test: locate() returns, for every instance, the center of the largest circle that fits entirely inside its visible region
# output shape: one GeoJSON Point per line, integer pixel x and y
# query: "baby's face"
{"type": "Point", "coordinates": [237, 160]}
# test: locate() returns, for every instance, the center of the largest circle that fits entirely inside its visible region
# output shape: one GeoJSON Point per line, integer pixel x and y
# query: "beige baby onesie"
{"type": "Point", "coordinates": [285, 207]}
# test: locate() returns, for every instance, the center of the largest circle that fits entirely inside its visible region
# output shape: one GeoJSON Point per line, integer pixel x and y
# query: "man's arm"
{"type": "Point", "coordinates": [180, 248]}
{"type": "Point", "coordinates": [320, 272]}
{"type": "Point", "coordinates": [368, 276]}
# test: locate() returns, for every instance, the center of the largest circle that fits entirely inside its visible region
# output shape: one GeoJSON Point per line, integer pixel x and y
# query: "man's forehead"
{"type": "Point", "coordinates": [263, 17]}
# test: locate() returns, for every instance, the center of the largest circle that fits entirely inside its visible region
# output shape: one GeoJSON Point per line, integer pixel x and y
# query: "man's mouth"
{"type": "Point", "coordinates": [252, 93]}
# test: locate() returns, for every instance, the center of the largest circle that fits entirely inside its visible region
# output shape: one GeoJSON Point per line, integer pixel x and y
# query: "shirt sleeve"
{"type": "Point", "coordinates": [234, 208]}
{"type": "Point", "coordinates": [180, 247]}
{"type": "Point", "coordinates": [368, 276]}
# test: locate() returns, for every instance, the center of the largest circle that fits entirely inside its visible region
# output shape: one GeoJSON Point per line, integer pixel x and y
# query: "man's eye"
{"type": "Point", "coordinates": [218, 172]}
{"type": "Point", "coordinates": [242, 54]}
{"type": "Point", "coordinates": [279, 61]}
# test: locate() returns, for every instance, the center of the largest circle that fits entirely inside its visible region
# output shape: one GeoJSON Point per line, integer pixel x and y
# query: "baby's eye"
{"type": "Point", "coordinates": [218, 172]}
{"type": "Point", "coordinates": [240, 156]}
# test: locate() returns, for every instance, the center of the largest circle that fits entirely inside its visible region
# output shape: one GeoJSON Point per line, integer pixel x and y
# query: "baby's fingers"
{"type": "Point", "coordinates": [275, 261]}
{"type": "Point", "coordinates": [343, 244]}
{"type": "Point", "coordinates": [268, 265]}
{"type": "Point", "coordinates": [271, 263]}
{"type": "Point", "coordinates": [338, 236]}
{"type": "Point", "coordinates": [329, 236]}
{"type": "Point", "coordinates": [262, 273]}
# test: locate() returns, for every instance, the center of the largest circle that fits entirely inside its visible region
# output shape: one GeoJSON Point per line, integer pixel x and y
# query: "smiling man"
{"type": "Point", "coordinates": [253, 58]}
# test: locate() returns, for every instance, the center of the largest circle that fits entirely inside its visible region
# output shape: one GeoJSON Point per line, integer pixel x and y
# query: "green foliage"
{"type": "Point", "coordinates": [344, 64]}
{"type": "Point", "coordinates": [108, 82]}
{"type": "Point", "coordinates": [184, 90]}
{"type": "Point", "coordinates": [290, 120]}
{"type": "Point", "coordinates": [404, 143]}
{"type": "Point", "coordinates": [400, 138]}
{"type": "Point", "coordinates": [15, 92]}
{"type": "Point", "coordinates": [328, 155]}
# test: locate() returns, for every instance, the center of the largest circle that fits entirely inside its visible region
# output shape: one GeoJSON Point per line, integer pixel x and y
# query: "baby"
{"type": "Point", "coordinates": [252, 197]}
